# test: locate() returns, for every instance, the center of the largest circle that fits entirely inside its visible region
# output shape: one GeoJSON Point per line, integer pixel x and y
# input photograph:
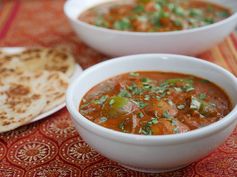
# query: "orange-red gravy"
{"type": "Point", "coordinates": [154, 15]}
{"type": "Point", "coordinates": [155, 103]}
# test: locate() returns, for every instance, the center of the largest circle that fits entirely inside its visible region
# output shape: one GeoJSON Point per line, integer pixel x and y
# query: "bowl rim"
{"type": "Point", "coordinates": [167, 33]}
{"type": "Point", "coordinates": [149, 139]}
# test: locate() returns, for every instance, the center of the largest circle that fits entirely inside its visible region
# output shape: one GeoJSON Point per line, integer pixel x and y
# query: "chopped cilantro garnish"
{"type": "Point", "coordinates": [173, 122]}
{"type": "Point", "coordinates": [142, 18]}
{"type": "Point", "coordinates": [164, 84]}
{"type": "Point", "coordinates": [209, 20]}
{"type": "Point", "coordinates": [122, 126]}
{"type": "Point", "coordinates": [171, 6]}
{"type": "Point", "coordinates": [177, 89]}
{"type": "Point", "coordinates": [176, 130]}
{"type": "Point", "coordinates": [145, 80]}
{"type": "Point", "coordinates": [122, 24]}
{"type": "Point", "coordinates": [196, 12]}
{"type": "Point", "coordinates": [101, 100]}
{"type": "Point", "coordinates": [135, 89]}
{"type": "Point", "coordinates": [155, 18]}
{"type": "Point", "coordinates": [179, 11]}
{"type": "Point", "coordinates": [147, 97]}
{"type": "Point", "coordinates": [140, 115]}
{"type": "Point", "coordinates": [163, 95]}
{"type": "Point", "coordinates": [158, 98]}
{"type": "Point", "coordinates": [166, 114]}
{"type": "Point", "coordinates": [179, 80]}
{"type": "Point", "coordinates": [138, 9]}
{"type": "Point", "coordinates": [111, 102]}
{"type": "Point", "coordinates": [147, 86]}
{"type": "Point", "coordinates": [103, 119]}
{"type": "Point", "coordinates": [158, 7]}
{"type": "Point", "coordinates": [100, 21]}
{"type": "Point", "coordinates": [146, 130]}
{"type": "Point", "coordinates": [181, 106]}
{"type": "Point", "coordinates": [84, 105]}
{"type": "Point", "coordinates": [134, 74]}
{"type": "Point", "coordinates": [202, 96]}
{"type": "Point", "coordinates": [141, 104]}
{"type": "Point", "coordinates": [223, 14]}
{"type": "Point", "coordinates": [195, 103]}
{"type": "Point", "coordinates": [124, 93]}
{"type": "Point", "coordinates": [161, 89]}
{"type": "Point", "coordinates": [154, 120]}
{"type": "Point", "coordinates": [188, 88]}
{"type": "Point", "coordinates": [165, 15]}
{"type": "Point", "coordinates": [178, 22]}
{"type": "Point", "coordinates": [205, 81]}
{"type": "Point", "coordinates": [206, 108]}
{"type": "Point", "coordinates": [170, 102]}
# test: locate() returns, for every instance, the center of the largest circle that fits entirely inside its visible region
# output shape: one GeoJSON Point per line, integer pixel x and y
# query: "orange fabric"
{"type": "Point", "coordinates": [4, 16]}
{"type": "Point", "coordinates": [224, 54]}
{"type": "Point", "coordinates": [52, 147]}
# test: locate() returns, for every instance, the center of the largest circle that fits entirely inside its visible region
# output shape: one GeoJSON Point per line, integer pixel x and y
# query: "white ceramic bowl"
{"type": "Point", "coordinates": [118, 43]}
{"type": "Point", "coordinates": [153, 153]}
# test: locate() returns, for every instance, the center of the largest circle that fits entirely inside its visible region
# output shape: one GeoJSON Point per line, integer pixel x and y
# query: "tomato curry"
{"type": "Point", "coordinates": [155, 103]}
{"type": "Point", "coordinates": [154, 15]}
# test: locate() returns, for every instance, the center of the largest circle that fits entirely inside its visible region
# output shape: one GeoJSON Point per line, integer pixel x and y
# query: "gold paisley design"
{"type": "Point", "coordinates": [7, 170]}
{"type": "Point", "coordinates": [218, 165]}
{"type": "Point", "coordinates": [108, 169]}
{"type": "Point", "coordinates": [31, 152]}
{"type": "Point", "coordinates": [55, 168]}
{"type": "Point", "coordinates": [60, 128]}
{"type": "Point", "coordinates": [76, 151]}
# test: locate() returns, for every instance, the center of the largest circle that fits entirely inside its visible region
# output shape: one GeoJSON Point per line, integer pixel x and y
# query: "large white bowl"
{"type": "Point", "coordinates": [153, 153]}
{"type": "Point", "coordinates": [118, 43]}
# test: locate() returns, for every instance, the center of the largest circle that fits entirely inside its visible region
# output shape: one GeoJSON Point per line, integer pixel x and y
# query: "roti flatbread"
{"type": "Point", "coordinates": [32, 82]}
{"type": "Point", "coordinates": [59, 59]}
{"type": "Point", "coordinates": [2, 53]}
{"type": "Point", "coordinates": [40, 59]}
{"type": "Point", "coordinates": [19, 104]}
{"type": "Point", "coordinates": [2, 58]}
{"type": "Point", "coordinates": [53, 85]}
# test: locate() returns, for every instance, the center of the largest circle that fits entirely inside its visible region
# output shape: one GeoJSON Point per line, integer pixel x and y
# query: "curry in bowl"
{"type": "Point", "coordinates": [155, 103]}
{"type": "Point", "coordinates": [154, 15]}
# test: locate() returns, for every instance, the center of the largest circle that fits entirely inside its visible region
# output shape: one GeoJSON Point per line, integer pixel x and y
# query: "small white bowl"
{"type": "Point", "coordinates": [153, 153]}
{"type": "Point", "coordinates": [118, 43]}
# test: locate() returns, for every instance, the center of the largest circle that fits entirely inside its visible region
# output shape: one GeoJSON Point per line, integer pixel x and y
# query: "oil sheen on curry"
{"type": "Point", "coordinates": [155, 103]}
{"type": "Point", "coordinates": [154, 15]}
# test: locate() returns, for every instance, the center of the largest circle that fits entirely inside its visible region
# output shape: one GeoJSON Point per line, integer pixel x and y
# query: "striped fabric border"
{"type": "Point", "coordinates": [8, 11]}
{"type": "Point", "coordinates": [224, 54]}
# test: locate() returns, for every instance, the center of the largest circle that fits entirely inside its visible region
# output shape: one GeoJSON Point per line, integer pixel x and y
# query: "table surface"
{"type": "Point", "coordinates": [52, 147]}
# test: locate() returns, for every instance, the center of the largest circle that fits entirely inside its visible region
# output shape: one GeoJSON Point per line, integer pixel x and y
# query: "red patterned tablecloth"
{"type": "Point", "coordinates": [52, 147]}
